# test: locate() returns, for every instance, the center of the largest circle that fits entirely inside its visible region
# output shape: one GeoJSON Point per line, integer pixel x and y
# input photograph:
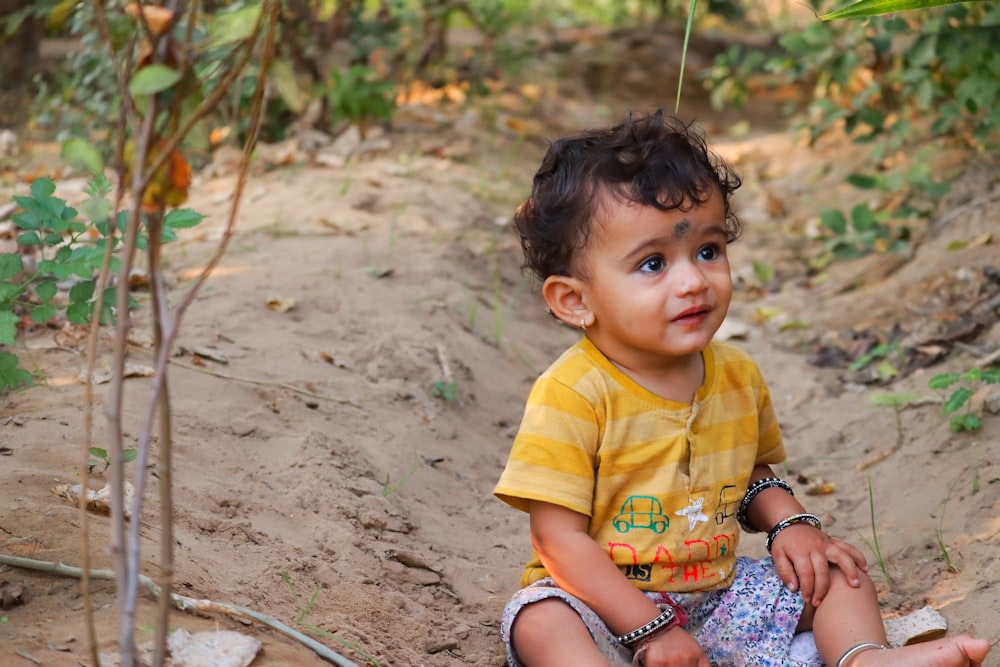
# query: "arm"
{"type": "Point", "coordinates": [802, 554]}
{"type": "Point", "coordinates": [581, 567]}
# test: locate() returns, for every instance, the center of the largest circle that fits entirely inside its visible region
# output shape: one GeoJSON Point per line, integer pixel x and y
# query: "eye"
{"type": "Point", "coordinates": [653, 264]}
{"type": "Point", "coordinates": [710, 252]}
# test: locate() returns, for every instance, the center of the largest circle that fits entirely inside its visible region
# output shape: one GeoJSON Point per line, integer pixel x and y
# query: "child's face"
{"type": "Point", "coordinates": [657, 282]}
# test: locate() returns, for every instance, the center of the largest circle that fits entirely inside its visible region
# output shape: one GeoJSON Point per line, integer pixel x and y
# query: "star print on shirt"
{"type": "Point", "coordinates": [693, 513]}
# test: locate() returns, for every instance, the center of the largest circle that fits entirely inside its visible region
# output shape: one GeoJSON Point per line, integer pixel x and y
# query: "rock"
{"type": "Point", "coordinates": [922, 625]}
{"type": "Point", "coordinates": [224, 648]}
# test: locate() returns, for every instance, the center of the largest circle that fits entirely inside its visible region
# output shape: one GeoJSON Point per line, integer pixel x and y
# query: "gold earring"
{"type": "Point", "coordinates": [583, 324]}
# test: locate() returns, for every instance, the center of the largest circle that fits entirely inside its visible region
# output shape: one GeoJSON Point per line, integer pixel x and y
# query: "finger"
{"type": "Point", "coordinates": [821, 579]}
{"type": "Point", "coordinates": [805, 570]}
{"type": "Point", "coordinates": [783, 566]}
{"type": "Point", "coordinates": [843, 559]}
{"type": "Point", "coordinates": [858, 557]}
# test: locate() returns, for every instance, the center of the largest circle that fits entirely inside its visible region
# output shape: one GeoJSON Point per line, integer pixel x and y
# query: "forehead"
{"type": "Point", "coordinates": [618, 218]}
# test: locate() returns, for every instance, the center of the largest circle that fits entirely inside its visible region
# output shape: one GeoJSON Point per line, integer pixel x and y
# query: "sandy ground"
{"type": "Point", "coordinates": [312, 455]}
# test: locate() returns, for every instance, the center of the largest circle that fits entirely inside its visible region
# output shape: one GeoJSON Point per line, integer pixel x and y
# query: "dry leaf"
{"type": "Point", "coordinates": [97, 501]}
{"type": "Point", "coordinates": [210, 353]}
{"type": "Point", "coordinates": [12, 594]}
{"type": "Point", "coordinates": [157, 18]}
{"type": "Point", "coordinates": [821, 489]}
{"type": "Point", "coordinates": [280, 304]}
{"type": "Point", "coordinates": [132, 370]}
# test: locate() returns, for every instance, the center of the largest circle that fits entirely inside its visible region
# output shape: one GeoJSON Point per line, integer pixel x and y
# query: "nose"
{"type": "Point", "coordinates": [690, 278]}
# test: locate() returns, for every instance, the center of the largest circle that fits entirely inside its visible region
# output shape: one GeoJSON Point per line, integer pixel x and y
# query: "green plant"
{"type": "Point", "coordinates": [862, 234]}
{"type": "Point", "coordinates": [963, 386]}
{"type": "Point", "coordinates": [99, 455]}
{"type": "Point", "coordinates": [874, 545]}
{"type": "Point", "coordinates": [355, 95]}
{"type": "Point", "coordinates": [863, 8]}
{"type": "Point", "coordinates": [939, 529]}
{"type": "Point", "coordinates": [300, 620]}
{"type": "Point", "coordinates": [897, 82]}
{"type": "Point", "coordinates": [445, 390]}
{"type": "Point", "coordinates": [917, 184]}
{"type": "Point", "coordinates": [887, 353]}
{"type": "Point", "coordinates": [54, 274]}
{"type": "Point", "coordinates": [897, 402]}
{"type": "Point", "coordinates": [389, 488]}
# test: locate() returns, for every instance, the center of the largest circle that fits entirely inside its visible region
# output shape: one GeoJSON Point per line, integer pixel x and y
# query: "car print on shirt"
{"type": "Point", "coordinates": [641, 512]}
{"type": "Point", "coordinates": [728, 502]}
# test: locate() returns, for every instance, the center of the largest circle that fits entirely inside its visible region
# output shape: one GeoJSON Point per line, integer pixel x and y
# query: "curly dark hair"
{"type": "Point", "coordinates": [651, 159]}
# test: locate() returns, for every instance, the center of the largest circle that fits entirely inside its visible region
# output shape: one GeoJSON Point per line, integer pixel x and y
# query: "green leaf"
{"type": "Point", "coordinates": [78, 313]}
{"type": "Point", "coordinates": [956, 400]}
{"type": "Point", "coordinates": [862, 218]}
{"type": "Point", "coordinates": [52, 239]}
{"type": "Point", "coordinates": [763, 270]}
{"type": "Point", "coordinates": [128, 455]}
{"type": "Point", "coordinates": [834, 220]}
{"type": "Point", "coordinates": [181, 218]}
{"type": "Point", "coordinates": [42, 314]}
{"type": "Point", "coordinates": [874, 7]}
{"type": "Point", "coordinates": [11, 375]}
{"type": "Point", "coordinates": [29, 238]}
{"type": "Point", "coordinates": [232, 27]}
{"type": "Point", "coordinates": [81, 292]}
{"type": "Point", "coordinates": [81, 154]}
{"type": "Point", "coordinates": [153, 79]}
{"type": "Point", "coordinates": [99, 452]}
{"type": "Point", "coordinates": [862, 182]}
{"type": "Point", "coordinates": [894, 400]}
{"type": "Point", "coordinates": [10, 265]}
{"type": "Point", "coordinates": [282, 75]}
{"type": "Point", "coordinates": [943, 380]}
{"type": "Point", "coordinates": [8, 328]}
{"type": "Point", "coordinates": [966, 422]}
{"type": "Point", "coordinates": [42, 188]}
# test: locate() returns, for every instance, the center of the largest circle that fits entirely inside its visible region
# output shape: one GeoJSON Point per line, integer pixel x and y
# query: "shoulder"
{"type": "Point", "coordinates": [724, 351]}
{"type": "Point", "coordinates": [734, 363]}
{"type": "Point", "coordinates": [576, 370]}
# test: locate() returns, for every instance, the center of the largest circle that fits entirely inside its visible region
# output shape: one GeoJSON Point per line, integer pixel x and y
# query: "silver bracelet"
{"type": "Point", "coordinates": [752, 491]}
{"type": "Point", "coordinates": [854, 650]}
{"type": "Point", "coordinates": [662, 621]}
{"type": "Point", "coordinates": [804, 517]}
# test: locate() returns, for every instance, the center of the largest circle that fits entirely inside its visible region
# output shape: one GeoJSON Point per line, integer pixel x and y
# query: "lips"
{"type": "Point", "coordinates": [693, 313]}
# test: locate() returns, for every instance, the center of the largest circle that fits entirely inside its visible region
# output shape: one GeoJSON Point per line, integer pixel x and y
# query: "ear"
{"type": "Point", "coordinates": [566, 298]}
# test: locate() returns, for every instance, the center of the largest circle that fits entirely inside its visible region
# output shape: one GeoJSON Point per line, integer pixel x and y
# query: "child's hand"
{"type": "Point", "coordinates": [673, 648]}
{"type": "Point", "coordinates": [802, 557]}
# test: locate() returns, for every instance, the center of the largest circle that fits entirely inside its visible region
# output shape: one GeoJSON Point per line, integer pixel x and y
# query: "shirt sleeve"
{"type": "Point", "coordinates": [553, 457]}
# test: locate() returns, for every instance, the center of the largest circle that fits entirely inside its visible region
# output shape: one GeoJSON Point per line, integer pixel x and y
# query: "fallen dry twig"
{"type": "Point", "coordinates": [184, 603]}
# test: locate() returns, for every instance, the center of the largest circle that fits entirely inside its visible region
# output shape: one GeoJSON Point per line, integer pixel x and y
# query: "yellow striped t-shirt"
{"type": "Point", "coordinates": [660, 480]}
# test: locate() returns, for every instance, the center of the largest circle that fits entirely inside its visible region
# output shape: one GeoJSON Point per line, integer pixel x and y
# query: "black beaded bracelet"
{"type": "Point", "coordinates": [752, 491]}
{"type": "Point", "coordinates": [662, 621]}
{"type": "Point", "coordinates": [805, 517]}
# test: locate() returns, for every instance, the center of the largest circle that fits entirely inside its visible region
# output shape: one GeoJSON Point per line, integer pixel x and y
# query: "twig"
{"type": "Point", "coordinates": [442, 356]}
{"type": "Point", "coordinates": [266, 383]}
{"type": "Point", "coordinates": [184, 603]}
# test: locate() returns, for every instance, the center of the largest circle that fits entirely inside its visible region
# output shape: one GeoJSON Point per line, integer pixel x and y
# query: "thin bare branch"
{"type": "Point", "coordinates": [184, 603]}
{"type": "Point", "coordinates": [266, 383]}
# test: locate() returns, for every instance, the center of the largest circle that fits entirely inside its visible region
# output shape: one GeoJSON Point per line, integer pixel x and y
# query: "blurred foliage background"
{"type": "Point", "coordinates": [888, 79]}
{"type": "Point", "coordinates": [903, 82]}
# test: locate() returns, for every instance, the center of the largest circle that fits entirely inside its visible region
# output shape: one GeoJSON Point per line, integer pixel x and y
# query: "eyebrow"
{"type": "Point", "coordinates": [677, 234]}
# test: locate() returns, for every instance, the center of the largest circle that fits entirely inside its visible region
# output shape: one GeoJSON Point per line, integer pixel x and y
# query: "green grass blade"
{"type": "Point", "coordinates": [874, 7]}
{"type": "Point", "coordinates": [684, 52]}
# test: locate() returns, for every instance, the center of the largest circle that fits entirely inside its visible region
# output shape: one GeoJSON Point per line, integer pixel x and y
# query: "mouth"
{"type": "Point", "coordinates": [692, 314]}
